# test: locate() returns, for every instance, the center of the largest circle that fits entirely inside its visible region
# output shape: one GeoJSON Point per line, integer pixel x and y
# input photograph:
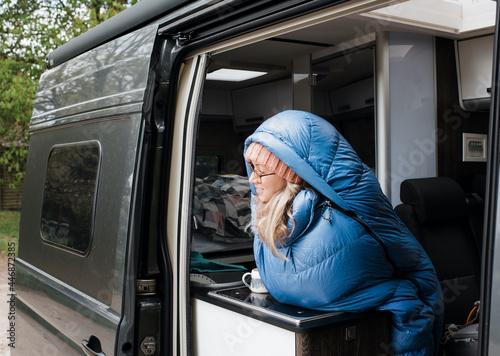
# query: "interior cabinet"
{"type": "Point", "coordinates": [355, 96]}
{"type": "Point", "coordinates": [474, 66]}
{"type": "Point", "coordinates": [242, 323]}
{"type": "Point", "coordinates": [252, 105]}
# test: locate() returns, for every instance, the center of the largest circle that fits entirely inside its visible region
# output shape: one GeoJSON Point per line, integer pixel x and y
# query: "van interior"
{"type": "Point", "coordinates": [402, 69]}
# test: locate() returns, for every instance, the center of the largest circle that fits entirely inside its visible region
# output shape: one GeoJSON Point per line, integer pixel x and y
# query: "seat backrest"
{"type": "Point", "coordinates": [435, 211]}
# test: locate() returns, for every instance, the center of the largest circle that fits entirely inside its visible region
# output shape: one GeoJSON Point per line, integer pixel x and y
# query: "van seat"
{"type": "Point", "coordinates": [435, 211]}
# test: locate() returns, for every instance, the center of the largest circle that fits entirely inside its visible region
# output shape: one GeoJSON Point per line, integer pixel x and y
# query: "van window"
{"type": "Point", "coordinates": [69, 195]}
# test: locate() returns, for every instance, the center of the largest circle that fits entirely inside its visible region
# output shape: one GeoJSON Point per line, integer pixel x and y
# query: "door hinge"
{"type": "Point", "coordinates": [182, 38]}
{"type": "Point", "coordinates": [148, 345]}
{"type": "Point", "coordinates": [146, 287]}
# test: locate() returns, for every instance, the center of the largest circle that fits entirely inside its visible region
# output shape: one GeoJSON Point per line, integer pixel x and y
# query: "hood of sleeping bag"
{"type": "Point", "coordinates": [319, 154]}
{"type": "Point", "coordinates": [313, 149]}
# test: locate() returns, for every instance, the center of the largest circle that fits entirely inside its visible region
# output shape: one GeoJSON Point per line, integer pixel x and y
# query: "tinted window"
{"type": "Point", "coordinates": [69, 195]}
{"type": "Point", "coordinates": [206, 166]}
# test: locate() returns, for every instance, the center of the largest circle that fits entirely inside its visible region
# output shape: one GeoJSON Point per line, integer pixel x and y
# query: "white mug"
{"type": "Point", "coordinates": [256, 285]}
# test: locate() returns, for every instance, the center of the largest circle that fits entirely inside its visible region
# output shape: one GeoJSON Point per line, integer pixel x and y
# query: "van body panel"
{"type": "Point", "coordinates": [93, 286]}
{"type": "Point", "coordinates": [100, 273]}
{"type": "Point", "coordinates": [41, 333]}
{"type": "Point", "coordinates": [111, 75]}
{"type": "Point", "coordinates": [62, 312]}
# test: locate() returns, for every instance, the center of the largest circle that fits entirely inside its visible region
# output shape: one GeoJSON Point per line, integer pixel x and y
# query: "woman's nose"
{"type": "Point", "coordinates": [254, 178]}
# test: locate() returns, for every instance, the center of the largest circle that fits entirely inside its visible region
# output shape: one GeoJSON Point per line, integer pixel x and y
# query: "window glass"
{"type": "Point", "coordinates": [206, 166]}
{"type": "Point", "coordinates": [69, 195]}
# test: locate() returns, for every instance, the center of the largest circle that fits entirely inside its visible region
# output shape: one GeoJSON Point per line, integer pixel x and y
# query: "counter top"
{"type": "Point", "coordinates": [265, 308]}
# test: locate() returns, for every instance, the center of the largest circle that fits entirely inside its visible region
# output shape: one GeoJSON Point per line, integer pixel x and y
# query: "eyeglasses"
{"type": "Point", "coordinates": [259, 174]}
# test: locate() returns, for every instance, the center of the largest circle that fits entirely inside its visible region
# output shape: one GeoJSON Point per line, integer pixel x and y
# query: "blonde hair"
{"type": "Point", "coordinates": [271, 218]}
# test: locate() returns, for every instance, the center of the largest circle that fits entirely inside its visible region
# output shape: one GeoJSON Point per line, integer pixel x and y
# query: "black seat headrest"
{"type": "Point", "coordinates": [434, 198]}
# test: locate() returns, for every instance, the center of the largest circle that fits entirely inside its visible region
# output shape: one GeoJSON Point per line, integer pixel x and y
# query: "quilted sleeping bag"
{"type": "Point", "coordinates": [347, 251]}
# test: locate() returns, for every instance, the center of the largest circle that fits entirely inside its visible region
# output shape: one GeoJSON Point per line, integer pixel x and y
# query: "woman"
{"type": "Point", "coordinates": [328, 239]}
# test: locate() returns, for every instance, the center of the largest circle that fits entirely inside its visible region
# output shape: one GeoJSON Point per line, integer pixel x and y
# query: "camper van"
{"type": "Point", "coordinates": [134, 232]}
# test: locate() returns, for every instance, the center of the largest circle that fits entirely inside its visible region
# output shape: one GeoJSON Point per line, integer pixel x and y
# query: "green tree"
{"type": "Point", "coordinates": [29, 30]}
{"type": "Point", "coordinates": [17, 91]}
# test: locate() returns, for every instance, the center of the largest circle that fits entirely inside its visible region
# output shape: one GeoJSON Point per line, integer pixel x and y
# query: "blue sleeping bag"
{"type": "Point", "coordinates": [348, 251]}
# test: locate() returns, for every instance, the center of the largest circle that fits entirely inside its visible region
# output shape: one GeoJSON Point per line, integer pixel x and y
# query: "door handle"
{"type": "Point", "coordinates": [92, 346]}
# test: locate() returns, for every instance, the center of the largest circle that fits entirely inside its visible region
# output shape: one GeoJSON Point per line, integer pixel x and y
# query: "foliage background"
{"type": "Point", "coordinates": [9, 230]}
{"type": "Point", "coordinates": [29, 30]}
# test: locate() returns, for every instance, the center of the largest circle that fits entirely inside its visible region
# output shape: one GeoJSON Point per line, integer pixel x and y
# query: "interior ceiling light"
{"type": "Point", "coordinates": [233, 75]}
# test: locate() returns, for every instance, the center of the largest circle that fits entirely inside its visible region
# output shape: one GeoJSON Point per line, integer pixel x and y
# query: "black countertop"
{"type": "Point", "coordinates": [267, 309]}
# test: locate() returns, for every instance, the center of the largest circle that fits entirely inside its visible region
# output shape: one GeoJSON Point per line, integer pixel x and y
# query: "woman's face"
{"type": "Point", "coordinates": [267, 185]}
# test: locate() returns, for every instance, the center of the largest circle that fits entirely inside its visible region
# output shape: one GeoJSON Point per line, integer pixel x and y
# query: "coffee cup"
{"type": "Point", "coordinates": [256, 285]}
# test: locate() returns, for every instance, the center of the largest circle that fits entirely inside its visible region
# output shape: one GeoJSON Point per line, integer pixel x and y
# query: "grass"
{"type": "Point", "coordinates": [9, 229]}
